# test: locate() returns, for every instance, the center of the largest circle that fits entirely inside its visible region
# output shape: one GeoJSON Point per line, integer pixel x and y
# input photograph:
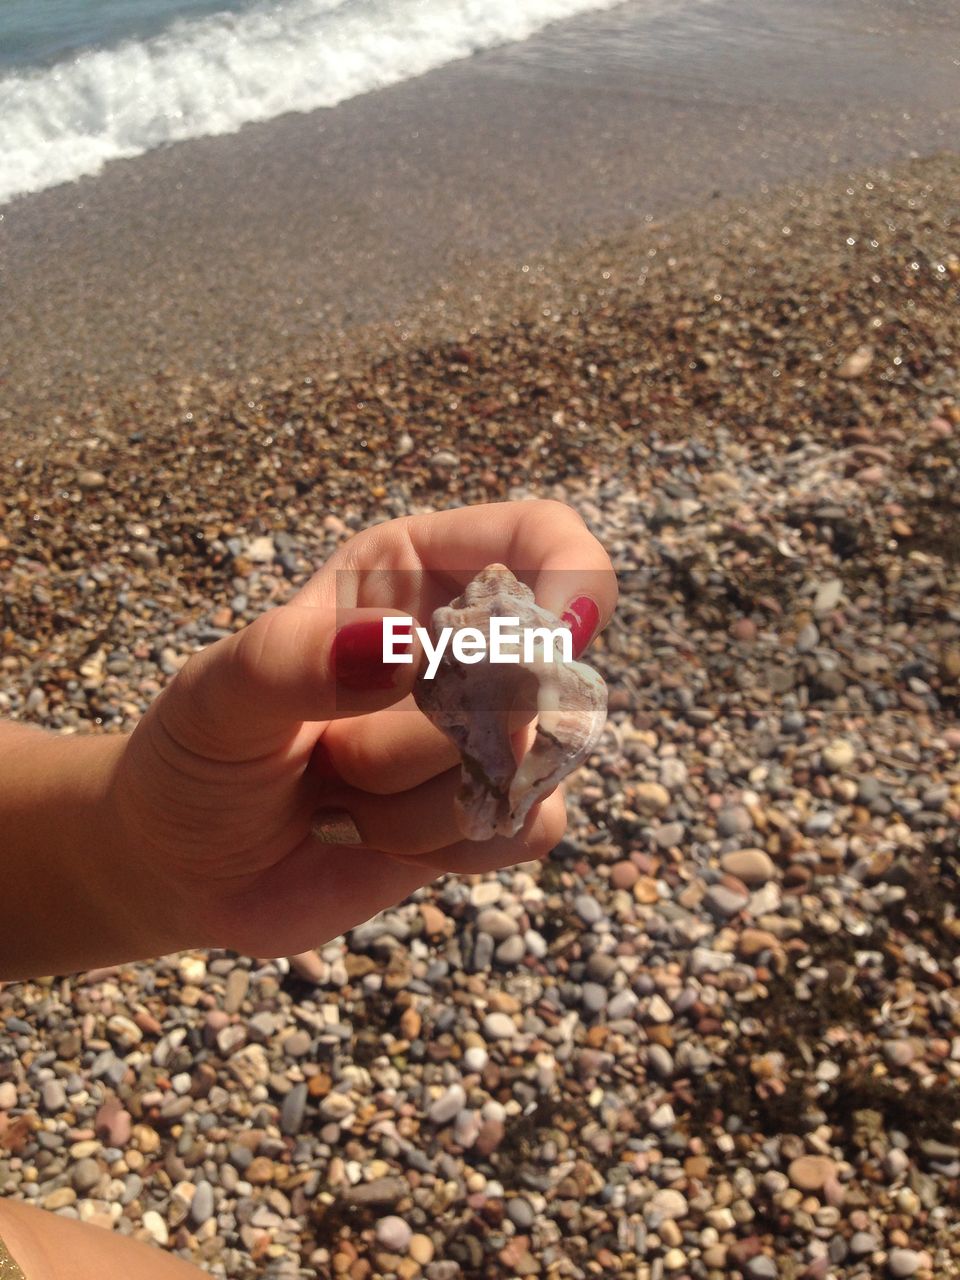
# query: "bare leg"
{"type": "Point", "coordinates": [48, 1247]}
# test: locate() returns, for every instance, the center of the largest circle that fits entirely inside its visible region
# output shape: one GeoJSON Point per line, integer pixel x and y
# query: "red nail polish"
{"type": "Point", "coordinates": [583, 618]}
{"type": "Point", "coordinates": [358, 657]}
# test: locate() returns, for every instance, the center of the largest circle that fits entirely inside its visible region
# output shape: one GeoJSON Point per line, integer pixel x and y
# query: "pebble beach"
{"type": "Point", "coordinates": [717, 1032]}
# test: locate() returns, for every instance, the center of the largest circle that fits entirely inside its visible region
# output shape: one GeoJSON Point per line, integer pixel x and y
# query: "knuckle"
{"type": "Point", "coordinates": [248, 653]}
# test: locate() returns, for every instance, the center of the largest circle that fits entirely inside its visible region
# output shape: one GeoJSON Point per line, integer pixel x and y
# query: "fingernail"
{"type": "Point", "coordinates": [358, 657]}
{"type": "Point", "coordinates": [335, 826]}
{"type": "Point", "coordinates": [582, 617]}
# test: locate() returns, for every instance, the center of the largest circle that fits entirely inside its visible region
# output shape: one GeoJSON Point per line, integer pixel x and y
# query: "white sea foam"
{"type": "Point", "coordinates": [212, 75]}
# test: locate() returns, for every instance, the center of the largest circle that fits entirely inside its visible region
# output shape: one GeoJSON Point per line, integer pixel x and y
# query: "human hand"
{"type": "Point", "coordinates": [295, 717]}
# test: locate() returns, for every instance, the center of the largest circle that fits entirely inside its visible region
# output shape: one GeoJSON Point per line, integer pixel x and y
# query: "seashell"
{"type": "Point", "coordinates": [481, 706]}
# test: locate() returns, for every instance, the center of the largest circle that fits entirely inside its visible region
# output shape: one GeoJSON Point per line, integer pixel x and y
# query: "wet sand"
{"type": "Point", "coordinates": [221, 254]}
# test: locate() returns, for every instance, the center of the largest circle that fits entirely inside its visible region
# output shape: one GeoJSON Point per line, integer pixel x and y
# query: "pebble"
{"type": "Point", "coordinates": [53, 1095]}
{"type": "Point", "coordinates": [723, 902]}
{"type": "Point", "coordinates": [60, 1198]}
{"type": "Point", "coordinates": [735, 820]}
{"type": "Point", "coordinates": [499, 1026]}
{"type": "Point", "coordinates": [862, 1243]}
{"type": "Point", "coordinates": [902, 1263]}
{"type": "Point", "coordinates": [155, 1226]}
{"type": "Point", "coordinates": [511, 951]}
{"type": "Point", "coordinates": [421, 1249]}
{"type": "Point", "coordinates": [588, 909]}
{"type": "Point", "coordinates": [454, 1099]}
{"type": "Point", "coordinates": [663, 1118]}
{"type": "Point", "coordinates": [85, 1175]}
{"type": "Point", "coordinates": [237, 985]}
{"type": "Point", "coordinates": [202, 1204]}
{"type": "Point", "coordinates": [594, 997]}
{"type": "Point", "coordinates": [475, 1058]}
{"type": "Point", "coordinates": [899, 1053]}
{"type": "Point", "coordinates": [486, 893]}
{"type": "Point", "coordinates": [896, 1163]}
{"type": "Point", "coordinates": [810, 1173]}
{"type": "Point", "coordinates": [668, 1204]}
{"type": "Point", "coordinates": [293, 1109]}
{"type": "Point", "coordinates": [308, 966]}
{"type": "Point", "coordinates": [659, 1061]}
{"type": "Point", "coordinates": [521, 1213]}
{"type": "Point", "coordinates": [394, 1234]}
{"type": "Point", "coordinates": [839, 754]}
{"type": "Point", "coordinates": [752, 866]}
{"type": "Point", "coordinates": [498, 924]}
{"type": "Point", "coordinates": [624, 875]}
{"type": "Point", "coordinates": [827, 597]}
{"type": "Point", "coordinates": [651, 797]}
{"type": "Point", "coordinates": [761, 1268]}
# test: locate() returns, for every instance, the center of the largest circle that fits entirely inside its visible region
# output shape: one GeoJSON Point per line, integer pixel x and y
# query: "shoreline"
{"type": "Point", "coordinates": [222, 254]}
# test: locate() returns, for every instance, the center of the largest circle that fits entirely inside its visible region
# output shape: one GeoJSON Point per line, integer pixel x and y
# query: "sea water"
{"type": "Point", "coordinates": [86, 81]}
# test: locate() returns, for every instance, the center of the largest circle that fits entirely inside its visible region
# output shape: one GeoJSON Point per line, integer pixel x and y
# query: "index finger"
{"type": "Point", "coordinates": [427, 559]}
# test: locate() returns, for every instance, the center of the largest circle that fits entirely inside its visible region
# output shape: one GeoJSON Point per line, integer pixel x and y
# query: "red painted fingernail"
{"type": "Point", "coordinates": [358, 657]}
{"type": "Point", "coordinates": [582, 617]}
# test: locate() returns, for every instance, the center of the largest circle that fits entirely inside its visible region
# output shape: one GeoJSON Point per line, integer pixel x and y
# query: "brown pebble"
{"type": "Point", "coordinates": [624, 875]}
{"type": "Point", "coordinates": [260, 1171]}
{"type": "Point", "coordinates": [434, 921]}
{"type": "Point", "coordinates": [809, 1173]}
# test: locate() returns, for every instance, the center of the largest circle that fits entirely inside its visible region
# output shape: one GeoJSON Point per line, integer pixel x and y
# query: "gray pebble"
{"type": "Point", "coordinates": [497, 923]}
{"type": "Point", "coordinates": [449, 1104]}
{"type": "Point", "coordinates": [499, 1026]}
{"type": "Point", "coordinates": [132, 1188]}
{"type": "Point", "coordinates": [53, 1095]}
{"type": "Point", "coordinates": [902, 1263]}
{"type": "Point", "coordinates": [735, 820]}
{"type": "Point", "coordinates": [668, 835]}
{"type": "Point", "coordinates": [862, 1242]}
{"type": "Point", "coordinates": [819, 823]}
{"type": "Point", "coordinates": [622, 1005]}
{"type": "Point", "coordinates": [394, 1234]}
{"type": "Point", "coordinates": [808, 637]}
{"type": "Point", "coordinates": [483, 952]}
{"type": "Point", "coordinates": [297, 1044]}
{"type": "Point", "coordinates": [511, 951]}
{"type": "Point", "coordinates": [536, 944]}
{"type": "Point", "coordinates": [201, 1206]}
{"type": "Point", "coordinates": [294, 1107]}
{"type": "Point", "coordinates": [761, 1268]}
{"type": "Point", "coordinates": [588, 909]}
{"type": "Point", "coordinates": [722, 902]}
{"type": "Point", "coordinates": [659, 1061]}
{"type": "Point", "coordinates": [85, 1175]}
{"type": "Point", "coordinates": [520, 1212]}
{"type": "Point", "coordinates": [594, 997]}
{"type": "Point", "coordinates": [896, 1163]}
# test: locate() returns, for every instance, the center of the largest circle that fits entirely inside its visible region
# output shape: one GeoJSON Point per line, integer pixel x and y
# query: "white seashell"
{"type": "Point", "coordinates": [483, 706]}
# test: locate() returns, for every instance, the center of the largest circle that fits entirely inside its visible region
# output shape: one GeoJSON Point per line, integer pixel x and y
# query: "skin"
{"type": "Point", "coordinates": [195, 830]}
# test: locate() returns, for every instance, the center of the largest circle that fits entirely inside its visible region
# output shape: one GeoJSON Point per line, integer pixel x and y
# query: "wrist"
{"type": "Point", "coordinates": [76, 896]}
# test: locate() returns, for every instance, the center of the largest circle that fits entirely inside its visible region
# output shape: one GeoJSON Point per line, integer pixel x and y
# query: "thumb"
{"type": "Point", "coordinates": [245, 695]}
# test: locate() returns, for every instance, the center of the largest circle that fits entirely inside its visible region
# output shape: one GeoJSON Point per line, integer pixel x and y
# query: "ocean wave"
{"type": "Point", "coordinates": [212, 75]}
